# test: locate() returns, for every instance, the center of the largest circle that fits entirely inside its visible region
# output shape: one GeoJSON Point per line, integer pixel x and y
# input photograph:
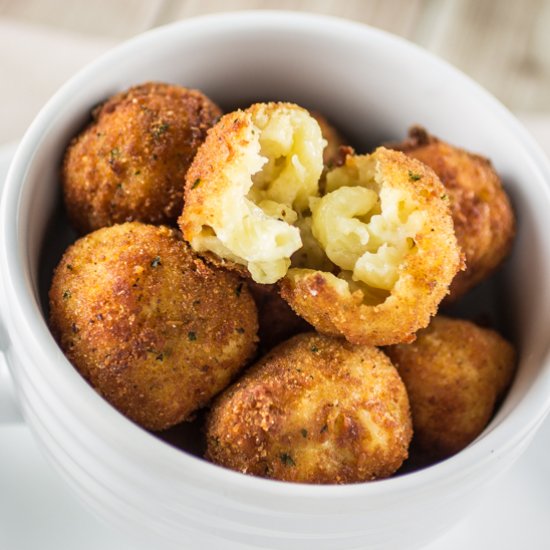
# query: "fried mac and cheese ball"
{"type": "Point", "coordinates": [385, 226]}
{"type": "Point", "coordinates": [155, 330]}
{"type": "Point", "coordinates": [130, 162]}
{"type": "Point", "coordinates": [369, 258]}
{"type": "Point", "coordinates": [249, 184]}
{"type": "Point", "coordinates": [455, 372]}
{"type": "Point", "coordinates": [315, 410]}
{"type": "Point", "coordinates": [482, 214]}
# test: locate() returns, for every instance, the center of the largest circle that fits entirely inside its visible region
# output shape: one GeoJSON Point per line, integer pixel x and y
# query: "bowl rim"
{"type": "Point", "coordinates": [30, 337]}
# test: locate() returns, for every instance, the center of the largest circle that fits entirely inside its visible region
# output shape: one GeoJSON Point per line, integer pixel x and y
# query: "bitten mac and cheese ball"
{"type": "Point", "coordinates": [130, 162]}
{"type": "Point", "coordinates": [315, 410]}
{"type": "Point", "coordinates": [455, 372]}
{"type": "Point", "coordinates": [250, 185]}
{"type": "Point", "coordinates": [370, 258]}
{"type": "Point", "coordinates": [483, 218]}
{"type": "Point", "coordinates": [155, 330]}
{"type": "Point", "coordinates": [385, 226]}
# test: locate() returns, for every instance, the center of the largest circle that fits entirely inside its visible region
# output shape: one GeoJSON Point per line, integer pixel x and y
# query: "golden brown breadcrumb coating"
{"type": "Point", "coordinates": [314, 410]}
{"type": "Point", "coordinates": [454, 372]}
{"type": "Point", "coordinates": [130, 162]}
{"type": "Point", "coordinates": [251, 179]}
{"type": "Point", "coordinates": [384, 294]}
{"type": "Point", "coordinates": [482, 214]}
{"type": "Point", "coordinates": [154, 329]}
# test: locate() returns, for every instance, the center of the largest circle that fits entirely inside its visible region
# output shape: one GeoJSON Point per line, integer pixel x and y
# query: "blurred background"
{"type": "Point", "coordinates": [502, 44]}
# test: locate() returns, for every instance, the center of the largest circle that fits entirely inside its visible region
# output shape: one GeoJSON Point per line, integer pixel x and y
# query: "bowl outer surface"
{"type": "Point", "coordinates": [374, 86]}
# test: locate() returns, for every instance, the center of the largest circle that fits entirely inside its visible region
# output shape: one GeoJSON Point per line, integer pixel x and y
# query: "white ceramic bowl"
{"type": "Point", "coordinates": [375, 86]}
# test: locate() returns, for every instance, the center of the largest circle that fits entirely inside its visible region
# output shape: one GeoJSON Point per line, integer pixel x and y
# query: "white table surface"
{"type": "Point", "coordinates": [37, 511]}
